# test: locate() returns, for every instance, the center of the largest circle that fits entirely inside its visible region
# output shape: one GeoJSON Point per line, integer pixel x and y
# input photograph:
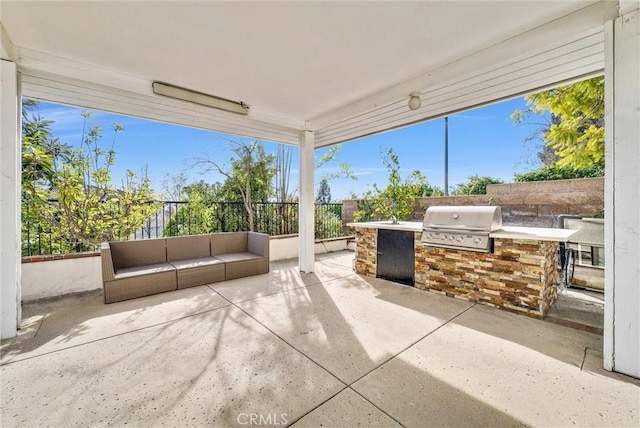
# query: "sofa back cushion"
{"type": "Point", "coordinates": [258, 244]}
{"type": "Point", "coordinates": [227, 243]}
{"type": "Point", "coordinates": [138, 253]}
{"type": "Point", "coordinates": [188, 247]}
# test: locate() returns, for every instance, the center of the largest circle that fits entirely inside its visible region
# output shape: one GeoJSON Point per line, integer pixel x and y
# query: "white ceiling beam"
{"type": "Point", "coordinates": [554, 64]}
{"type": "Point", "coordinates": [628, 6]}
{"type": "Point", "coordinates": [6, 48]}
{"type": "Point", "coordinates": [32, 61]}
{"type": "Point", "coordinates": [79, 93]}
{"type": "Point", "coordinates": [575, 23]}
{"type": "Point", "coordinates": [40, 62]}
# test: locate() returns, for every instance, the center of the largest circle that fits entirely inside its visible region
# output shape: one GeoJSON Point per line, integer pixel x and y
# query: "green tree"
{"type": "Point", "coordinates": [74, 196]}
{"type": "Point", "coordinates": [475, 186]}
{"type": "Point", "coordinates": [282, 174]}
{"type": "Point", "coordinates": [283, 215]}
{"type": "Point", "coordinates": [174, 186]}
{"type": "Point", "coordinates": [324, 192]}
{"type": "Point", "coordinates": [198, 214]}
{"type": "Point", "coordinates": [342, 170]}
{"type": "Point", "coordinates": [573, 134]}
{"type": "Point", "coordinates": [328, 223]}
{"type": "Point", "coordinates": [248, 176]}
{"type": "Point", "coordinates": [40, 149]}
{"type": "Point", "coordinates": [398, 197]}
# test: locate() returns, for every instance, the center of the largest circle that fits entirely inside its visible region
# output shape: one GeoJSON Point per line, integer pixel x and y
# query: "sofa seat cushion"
{"type": "Point", "coordinates": [238, 257]}
{"type": "Point", "coordinates": [196, 263]}
{"type": "Point", "coordinates": [143, 270]}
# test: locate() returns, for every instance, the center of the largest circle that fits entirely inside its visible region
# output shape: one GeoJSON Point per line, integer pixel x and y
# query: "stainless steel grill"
{"type": "Point", "coordinates": [461, 228]}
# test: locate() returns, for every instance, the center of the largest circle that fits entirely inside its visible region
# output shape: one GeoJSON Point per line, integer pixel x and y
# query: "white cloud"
{"type": "Point", "coordinates": [476, 117]}
{"type": "Point", "coordinates": [64, 118]}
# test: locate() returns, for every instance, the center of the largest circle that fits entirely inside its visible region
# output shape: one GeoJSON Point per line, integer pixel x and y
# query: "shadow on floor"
{"type": "Point", "coordinates": [579, 309]}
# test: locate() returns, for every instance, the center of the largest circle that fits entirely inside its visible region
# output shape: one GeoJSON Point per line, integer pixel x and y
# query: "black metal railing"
{"type": "Point", "coordinates": [177, 218]}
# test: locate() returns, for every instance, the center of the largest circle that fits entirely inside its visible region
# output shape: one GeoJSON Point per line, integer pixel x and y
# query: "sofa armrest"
{"type": "Point", "coordinates": [258, 243]}
{"type": "Point", "coordinates": [108, 272]}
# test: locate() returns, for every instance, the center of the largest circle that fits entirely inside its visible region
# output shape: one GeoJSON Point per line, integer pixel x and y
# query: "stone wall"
{"type": "Point", "coordinates": [519, 276]}
{"type": "Point", "coordinates": [523, 204]}
{"type": "Point", "coordinates": [366, 251]}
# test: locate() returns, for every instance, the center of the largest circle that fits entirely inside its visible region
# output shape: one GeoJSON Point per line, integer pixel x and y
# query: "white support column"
{"type": "Point", "coordinates": [10, 178]}
{"type": "Point", "coordinates": [306, 222]}
{"type": "Point", "coordinates": [622, 198]}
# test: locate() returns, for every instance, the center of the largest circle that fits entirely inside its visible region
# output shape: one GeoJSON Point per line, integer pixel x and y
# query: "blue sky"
{"type": "Point", "coordinates": [483, 141]}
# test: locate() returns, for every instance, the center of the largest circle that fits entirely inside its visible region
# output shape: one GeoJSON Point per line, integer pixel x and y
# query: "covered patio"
{"type": "Point", "coordinates": [329, 348]}
{"type": "Point", "coordinates": [315, 74]}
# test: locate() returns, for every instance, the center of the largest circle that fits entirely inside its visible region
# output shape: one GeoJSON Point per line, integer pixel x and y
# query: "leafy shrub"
{"type": "Point", "coordinates": [555, 172]}
{"type": "Point", "coordinates": [327, 224]}
{"type": "Point", "coordinates": [476, 185]}
{"type": "Point", "coordinates": [398, 198]}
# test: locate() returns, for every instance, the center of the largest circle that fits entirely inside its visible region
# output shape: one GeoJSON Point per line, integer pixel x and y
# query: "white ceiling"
{"type": "Point", "coordinates": [298, 60]}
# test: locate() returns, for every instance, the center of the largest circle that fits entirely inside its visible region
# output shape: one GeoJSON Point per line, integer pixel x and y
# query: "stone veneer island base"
{"type": "Point", "coordinates": [519, 275]}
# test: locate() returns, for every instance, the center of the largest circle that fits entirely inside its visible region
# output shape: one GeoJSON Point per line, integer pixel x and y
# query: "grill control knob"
{"type": "Point", "coordinates": [477, 240]}
{"type": "Point", "coordinates": [459, 238]}
{"type": "Point", "coordinates": [429, 236]}
{"type": "Point", "coordinates": [444, 237]}
{"type": "Point", "coordinates": [452, 238]}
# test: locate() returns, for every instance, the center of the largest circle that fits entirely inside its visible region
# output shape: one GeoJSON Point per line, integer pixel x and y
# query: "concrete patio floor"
{"type": "Point", "coordinates": [325, 349]}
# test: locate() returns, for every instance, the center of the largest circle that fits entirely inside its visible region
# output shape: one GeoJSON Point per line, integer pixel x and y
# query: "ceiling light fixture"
{"type": "Point", "coordinates": [414, 100]}
{"type": "Point", "coordinates": [199, 98]}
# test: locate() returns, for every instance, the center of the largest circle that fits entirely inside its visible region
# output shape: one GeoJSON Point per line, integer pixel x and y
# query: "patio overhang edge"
{"type": "Point", "coordinates": [571, 47]}
{"type": "Point", "coordinates": [561, 51]}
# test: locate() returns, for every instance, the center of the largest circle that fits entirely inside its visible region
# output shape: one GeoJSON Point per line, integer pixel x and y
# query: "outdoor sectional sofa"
{"type": "Point", "coordinates": [140, 268]}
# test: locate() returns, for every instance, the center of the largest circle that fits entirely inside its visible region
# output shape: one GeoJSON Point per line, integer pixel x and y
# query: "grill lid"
{"type": "Point", "coordinates": [464, 219]}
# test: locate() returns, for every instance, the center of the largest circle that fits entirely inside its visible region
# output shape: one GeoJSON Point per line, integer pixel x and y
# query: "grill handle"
{"type": "Point", "coordinates": [454, 227]}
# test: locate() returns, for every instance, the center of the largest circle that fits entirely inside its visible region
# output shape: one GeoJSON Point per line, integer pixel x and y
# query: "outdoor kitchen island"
{"type": "Point", "coordinates": [519, 274]}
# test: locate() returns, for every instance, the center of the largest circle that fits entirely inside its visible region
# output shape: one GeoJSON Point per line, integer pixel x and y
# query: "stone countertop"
{"type": "Point", "coordinates": [507, 232]}
{"type": "Point", "coordinates": [533, 233]}
{"type": "Point", "coordinates": [407, 226]}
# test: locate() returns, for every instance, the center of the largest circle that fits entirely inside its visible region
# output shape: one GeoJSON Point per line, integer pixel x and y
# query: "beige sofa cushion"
{"type": "Point", "coordinates": [188, 247]}
{"type": "Point", "coordinates": [127, 254]}
{"type": "Point", "coordinates": [196, 263]}
{"type": "Point", "coordinates": [236, 257]}
{"type": "Point", "coordinates": [129, 272]}
{"type": "Point", "coordinates": [258, 244]}
{"type": "Point", "coordinates": [228, 243]}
